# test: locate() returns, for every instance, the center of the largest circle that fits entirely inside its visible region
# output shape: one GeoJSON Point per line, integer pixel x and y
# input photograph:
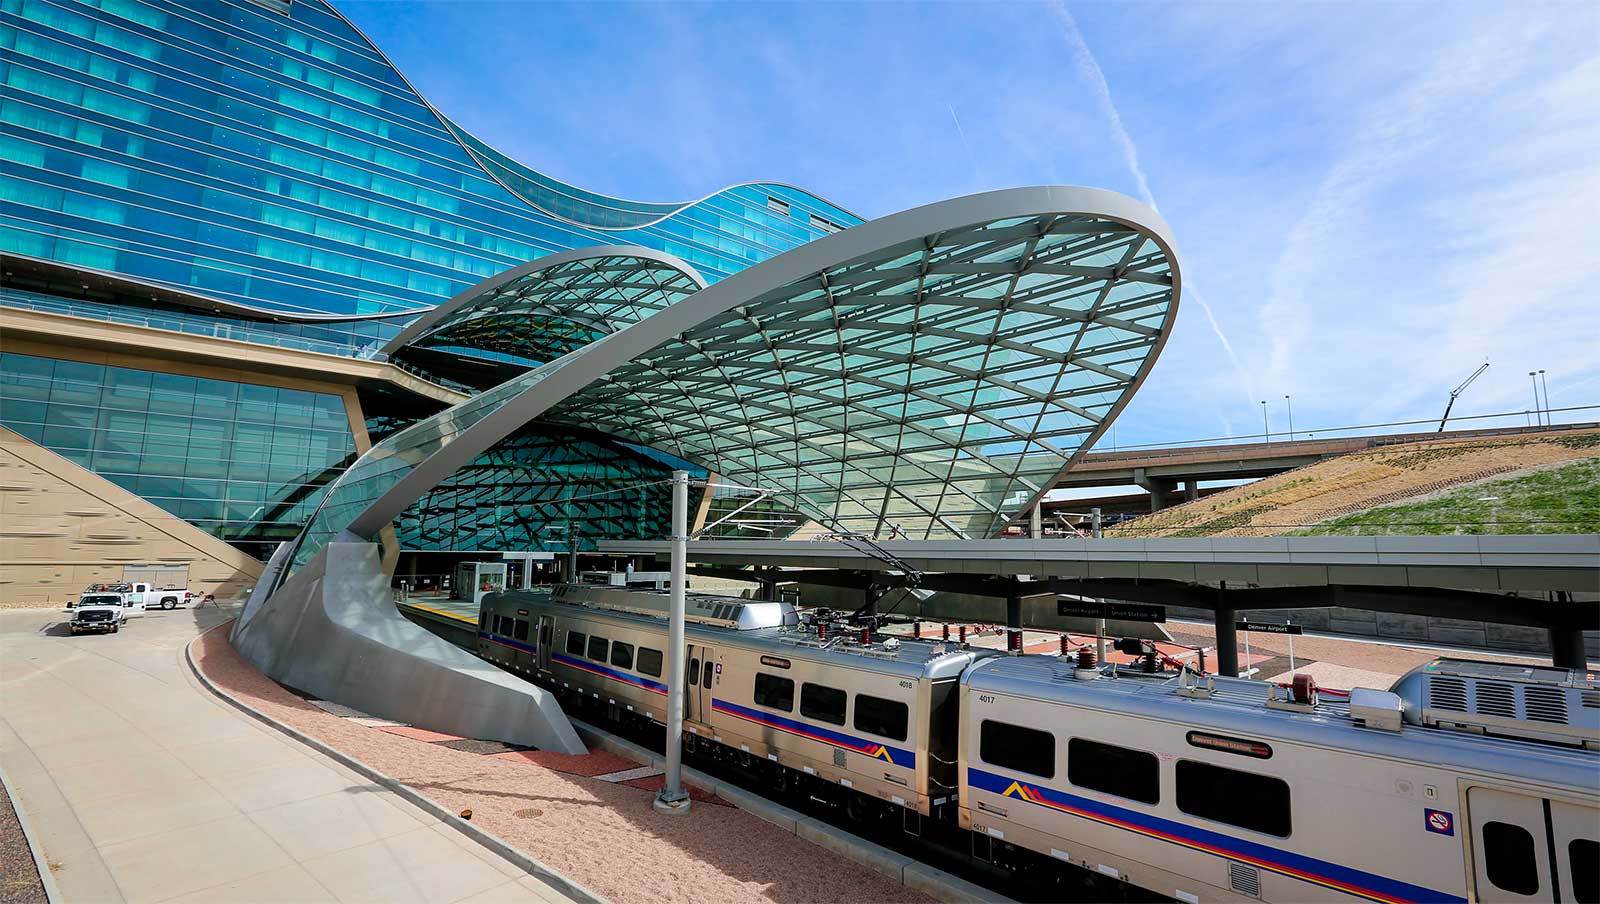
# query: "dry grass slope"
{"type": "Point", "coordinates": [1423, 483]}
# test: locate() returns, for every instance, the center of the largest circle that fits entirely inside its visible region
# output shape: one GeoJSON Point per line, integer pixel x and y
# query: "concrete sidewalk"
{"type": "Point", "coordinates": [142, 787]}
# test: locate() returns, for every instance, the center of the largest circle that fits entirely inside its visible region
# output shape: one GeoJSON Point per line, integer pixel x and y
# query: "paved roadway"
{"type": "Point", "coordinates": [143, 787]}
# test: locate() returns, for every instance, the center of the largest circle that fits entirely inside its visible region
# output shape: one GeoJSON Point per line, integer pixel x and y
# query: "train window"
{"type": "Point", "coordinates": [1508, 858]}
{"type": "Point", "coordinates": [1583, 863]}
{"type": "Point", "coordinates": [519, 629]}
{"type": "Point", "coordinates": [707, 674]}
{"type": "Point", "coordinates": [575, 642]}
{"type": "Point", "coordinates": [546, 633]}
{"type": "Point", "coordinates": [823, 703]}
{"type": "Point", "coordinates": [650, 661]}
{"type": "Point", "coordinates": [884, 718]}
{"type": "Point", "coordinates": [622, 655]}
{"type": "Point", "coordinates": [502, 625]}
{"type": "Point", "coordinates": [1122, 771]}
{"type": "Point", "coordinates": [1244, 799]}
{"type": "Point", "coordinates": [774, 692]}
{"type": "Point", "coordinates": [1020, 749]}
{"type": "Point", "coordinates": [692, 673]}
{"type": "Point", "coordinates": [597, 648]}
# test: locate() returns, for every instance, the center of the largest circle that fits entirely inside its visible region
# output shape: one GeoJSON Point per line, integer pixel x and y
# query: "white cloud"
{"type": "Point", "coordinates": [1458, 223]}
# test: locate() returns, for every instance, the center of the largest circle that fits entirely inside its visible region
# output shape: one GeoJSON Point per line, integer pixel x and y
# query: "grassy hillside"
{"type": "Point", "coordinates": [1560, 500]}
{"type": "Point", "coordinates": [1526, 483]}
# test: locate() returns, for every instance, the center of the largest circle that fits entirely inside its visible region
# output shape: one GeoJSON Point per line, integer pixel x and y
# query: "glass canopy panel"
{"type": "Point", "coordinates": [929, 390]}
{"type": "Point", "coordinates": [661, 283]}
{"type": "Point", "coordinates": [542, 315]}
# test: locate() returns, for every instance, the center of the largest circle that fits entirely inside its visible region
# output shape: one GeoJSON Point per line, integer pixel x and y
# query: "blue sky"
{"type": "Point", "coordinates": [1369, 198]}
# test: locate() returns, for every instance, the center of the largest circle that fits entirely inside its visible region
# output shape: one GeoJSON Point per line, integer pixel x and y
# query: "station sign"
{"type": "Point", "coordinates": [1118, 611]}
{"type": "Point", "coordinates": [1267, 628]}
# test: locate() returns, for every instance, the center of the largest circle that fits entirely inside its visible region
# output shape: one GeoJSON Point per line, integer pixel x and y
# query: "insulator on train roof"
{"type": "Point", "coordinates": [946, 628]}
{"type": "Point", "coordinates": [1065, 642]}
{"type": "Point", "coordinates": [822, 630]}
{"type": "Point", "coordinates": [1152, 663]}
{"type": "Point", "coordinates": [1304, 688]}
{"type": "Point", "coordinates": [866, 634]}
{"type": "Point", "coordinates": [1085, 657]}
{"type": "Point", "coordinates": [1014, 640]}
{"type": "Point", "coordinates": [963, 630]}
{"type": "Point", "coordinates": [916, 627]}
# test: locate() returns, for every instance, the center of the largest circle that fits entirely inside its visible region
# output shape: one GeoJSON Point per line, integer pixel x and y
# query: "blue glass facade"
{"type": "Point", "coordinates": [280, 161]}
{"type": "Point", "coordinates": [245, 462]}
{"type": "Point", "coordinates": [267, 156]}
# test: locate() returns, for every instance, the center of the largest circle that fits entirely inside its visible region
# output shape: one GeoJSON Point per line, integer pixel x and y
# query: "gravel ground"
{"type": "Point", "coordinates": [1339, 661]}
{"type": "Point", "coordinates": [19, 875]}
{"type": "Point", "coordinates": [604, 836]}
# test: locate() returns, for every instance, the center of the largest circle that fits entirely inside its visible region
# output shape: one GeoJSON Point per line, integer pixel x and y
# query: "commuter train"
{"type": "Point", "coordinates": [1467, 781]}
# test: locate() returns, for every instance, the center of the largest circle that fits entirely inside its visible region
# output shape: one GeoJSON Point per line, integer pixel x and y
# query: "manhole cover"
{"type": "Point", "coordinates": [529, 813]}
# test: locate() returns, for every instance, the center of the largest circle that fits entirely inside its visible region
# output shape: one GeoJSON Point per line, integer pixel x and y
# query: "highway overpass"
{"type": "Point", "coordinates": [1173, 475]}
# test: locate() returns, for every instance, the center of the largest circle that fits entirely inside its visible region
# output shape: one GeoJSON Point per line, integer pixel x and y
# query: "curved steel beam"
{"type": "Point", "coordinates": [541, 389]}
{"type": "Point", "coordinates": [427, 322]}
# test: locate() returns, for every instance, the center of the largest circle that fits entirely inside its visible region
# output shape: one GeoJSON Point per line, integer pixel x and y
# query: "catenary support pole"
{"type": "Point", "coordinates": [1227, 636]}
{"type": "Point", "coordinates": [673, 798]}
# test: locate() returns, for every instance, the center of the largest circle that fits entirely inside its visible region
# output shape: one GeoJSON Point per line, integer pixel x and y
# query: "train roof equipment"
{"type": "Point", "coordinates": [779, 629]}
{"type": "Point", "coordinates": [1530, 702]}
{"type": "Point", "coordinates": [700, 608]}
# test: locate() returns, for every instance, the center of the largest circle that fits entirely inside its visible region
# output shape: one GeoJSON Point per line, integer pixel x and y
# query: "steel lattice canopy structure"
{"type": "Point", "coordinates": [931, 388]}
{"type": "Point", "coordinates": [537, 312]}
{"type": "Point", "coordinates": [927, 374]}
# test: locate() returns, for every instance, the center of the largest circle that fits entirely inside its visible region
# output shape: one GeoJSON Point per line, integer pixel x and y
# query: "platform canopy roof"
{"type": "Point", "coordinates": [927, 374]}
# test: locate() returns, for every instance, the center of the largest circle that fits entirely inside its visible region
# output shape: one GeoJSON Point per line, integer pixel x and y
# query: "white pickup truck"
{"type": "Point", "coordinates": [148, 597]}
{"type": "Point", "coordinates": [137, 596]}
{"type": "Point", "coordinates": [98, 612]}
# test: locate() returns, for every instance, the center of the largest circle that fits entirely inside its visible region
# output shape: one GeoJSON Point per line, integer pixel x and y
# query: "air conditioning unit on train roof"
{"type": "Point", "coordinates": [699, 608]}
{"type": "Point", "coordinates": [1537, 703]}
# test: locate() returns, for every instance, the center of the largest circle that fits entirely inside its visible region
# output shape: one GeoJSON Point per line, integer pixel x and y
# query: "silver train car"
{"type": "Point", "coordinates": [1470, 781]}
{"type": "Point", "coordinates": [874, 716]}
{"type": "Point", "coordinates": [1466, 781]}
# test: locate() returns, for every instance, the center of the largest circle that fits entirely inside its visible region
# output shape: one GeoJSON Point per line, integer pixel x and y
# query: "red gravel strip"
{"type": "Point", "coordinates": [657, 782]}
{"type": "Point", "coordinates": [419, 734]}
{"type": "Point", "coordinates": [601, 835]}
{"type": "Point", "coordinates": [598, 762]}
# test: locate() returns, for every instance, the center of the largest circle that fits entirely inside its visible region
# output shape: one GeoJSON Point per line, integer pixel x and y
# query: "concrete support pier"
{"type": "Point", "coordinates": [1566, 649]}
{"type": "Point", "coordinates": [1227, 636]}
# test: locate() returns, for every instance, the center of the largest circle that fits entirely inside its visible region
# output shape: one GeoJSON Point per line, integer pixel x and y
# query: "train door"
{"type": "Point", "coordinates": [1527, 848]}
{"type": "Point", "coordinates": [1575, 833]}
{"type": "Point", "coordinates": [698, 677]}
{"type": "Point", "coordinates": [547, 639]}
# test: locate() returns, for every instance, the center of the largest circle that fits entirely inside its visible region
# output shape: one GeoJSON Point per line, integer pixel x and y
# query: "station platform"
{"type": "Point", "coordinates": [138, 785]}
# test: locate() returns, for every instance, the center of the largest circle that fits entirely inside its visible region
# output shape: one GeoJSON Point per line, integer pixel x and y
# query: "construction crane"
{"type": "Point", "coordinates": [1458, 390]}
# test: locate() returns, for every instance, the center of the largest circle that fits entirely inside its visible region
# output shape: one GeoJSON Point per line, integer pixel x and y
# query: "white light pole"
{"type": "Point", "coordinates": [1538, 409]}
{"type": "Point", "coordinates": [672, 798]}
{"type": "Point", "coordinates": [1265, 430]}
{"type": "Point", "coordinates": [1546, 386]}
{"type": "Point", "coordinates": [1290, 404]}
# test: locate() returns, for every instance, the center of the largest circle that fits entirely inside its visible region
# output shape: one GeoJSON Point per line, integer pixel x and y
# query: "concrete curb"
{"type": "Point", "coordinates": [527, 864]}
{"type": "Point", "coordinates": [52, 894]}
{"type": "Point", "coordinates": [913, 874]}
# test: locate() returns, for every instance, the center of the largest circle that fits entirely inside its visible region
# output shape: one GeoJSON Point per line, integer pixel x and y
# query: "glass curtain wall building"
{"type": "Point", "coordinates": [270, 172]}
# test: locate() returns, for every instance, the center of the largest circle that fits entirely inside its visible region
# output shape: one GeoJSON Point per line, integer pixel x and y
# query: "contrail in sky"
{"type": "Point", "coordinates": [963, 133]}
{"type": "Point", "coordinates": [1090, 69]}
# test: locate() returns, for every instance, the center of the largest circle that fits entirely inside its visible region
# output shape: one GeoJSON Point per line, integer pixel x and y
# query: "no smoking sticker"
{"type": "Point", "coordinates": [1441, 822]}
